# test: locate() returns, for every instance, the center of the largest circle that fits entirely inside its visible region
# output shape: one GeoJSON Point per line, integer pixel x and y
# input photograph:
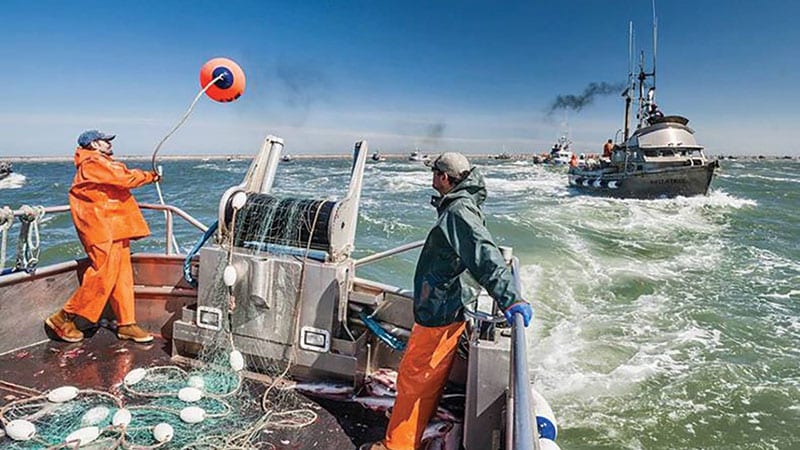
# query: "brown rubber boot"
{"type": "Point", "coordinates": [134, 333]}
{"type": "Point", "coordinates": [62, 324]}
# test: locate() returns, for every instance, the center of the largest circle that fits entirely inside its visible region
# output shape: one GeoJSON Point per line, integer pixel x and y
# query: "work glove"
{"type": "Point", "coordinates": [521, 307]}
{"type": "Point", "coordinates": [156, 177]}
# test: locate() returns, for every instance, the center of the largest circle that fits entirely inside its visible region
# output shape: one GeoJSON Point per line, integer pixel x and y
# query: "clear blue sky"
{"type": "Point", "coordinates": [475, 76]}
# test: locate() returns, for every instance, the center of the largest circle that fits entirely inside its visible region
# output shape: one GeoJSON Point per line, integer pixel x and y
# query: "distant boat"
{"type": "Point", "coordinates": [5, 169]}
{"type": "Point", "coordinates": [415, 156]}
{"type": "Point", "coordinates": [377, 157]}
{"type": "Point", "coordinates": [660, 159]}
{"type": "Point", "coordinates": [287, 158]}
{"type": "Point", "coordinates": [561, 153]}
{"type": "Point", "coordinates": [503, 155]}
{"type": "Point", "coordinates": [560, 157]}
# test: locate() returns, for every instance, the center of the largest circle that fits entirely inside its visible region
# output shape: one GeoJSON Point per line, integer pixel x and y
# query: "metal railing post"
{"type": "Point", "coordinates": [168, 226]}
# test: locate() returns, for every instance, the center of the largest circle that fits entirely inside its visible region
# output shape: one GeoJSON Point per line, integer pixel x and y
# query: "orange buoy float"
{"type": "Point", "coordinates": [230, 86]}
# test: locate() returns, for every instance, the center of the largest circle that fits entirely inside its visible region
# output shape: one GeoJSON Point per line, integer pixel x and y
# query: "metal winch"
{"type": "Point", "coordinates": [286, 263]}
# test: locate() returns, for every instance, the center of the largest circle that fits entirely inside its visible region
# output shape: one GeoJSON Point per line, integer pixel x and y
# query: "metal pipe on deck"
{"type": "Point", "coordinates": [387, 253]}
{"type": "Point", "coordinates": [519, 405]}
{"type": "Point", "coordinates": [523, 437]}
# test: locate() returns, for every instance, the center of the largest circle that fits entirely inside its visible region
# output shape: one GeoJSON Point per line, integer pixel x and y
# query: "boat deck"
{"type": "Point", "coordinates": [102, 361]}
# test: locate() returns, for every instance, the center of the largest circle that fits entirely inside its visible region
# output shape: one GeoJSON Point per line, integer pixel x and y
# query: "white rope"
{"type": "Point", "coordinates": [171, 132]}
{"type": "Point", "coordinates": [6, 220]}
{"type": "Point", "coordinates": [28, 244]}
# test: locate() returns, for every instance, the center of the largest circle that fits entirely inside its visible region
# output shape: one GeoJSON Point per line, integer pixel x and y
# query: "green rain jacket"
{"type": "Point", "coordinates": [458, 251]}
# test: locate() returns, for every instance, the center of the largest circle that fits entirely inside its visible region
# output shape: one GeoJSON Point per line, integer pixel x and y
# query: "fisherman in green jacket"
{"type": "Point", "coordinates": [457, 250]}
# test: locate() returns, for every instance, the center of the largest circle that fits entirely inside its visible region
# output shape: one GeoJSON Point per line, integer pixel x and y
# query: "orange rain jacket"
{"type": "Point", "coordinates": [103, 208]}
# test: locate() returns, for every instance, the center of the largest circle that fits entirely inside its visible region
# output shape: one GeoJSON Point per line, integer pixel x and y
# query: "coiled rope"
{"type": "Point", "coordinates": [28, 242]}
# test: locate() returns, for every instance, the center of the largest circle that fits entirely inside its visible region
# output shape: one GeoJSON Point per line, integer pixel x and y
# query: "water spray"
{"type": "Point", "coordinates": [222, 80]}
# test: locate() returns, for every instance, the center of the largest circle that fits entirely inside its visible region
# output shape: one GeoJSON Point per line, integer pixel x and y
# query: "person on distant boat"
{"type": "Point", "coordinates": [107, 218]}
{"type": "Point", "coordinates": [573, 160]}
{"type": "Point", "coordinates": [458, 250]}
{"type": "Point", "coordinates": [653, 113]}
{"type": "Point", "coordinates": [608, 148]}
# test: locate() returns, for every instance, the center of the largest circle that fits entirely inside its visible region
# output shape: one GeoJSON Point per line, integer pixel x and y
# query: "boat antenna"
{"type": "Point", "coordinates": [631, 52]}
{"type": "Point", "coordinates": [655, 42]}
{"type": "Point", "coordinates": [629, 89]}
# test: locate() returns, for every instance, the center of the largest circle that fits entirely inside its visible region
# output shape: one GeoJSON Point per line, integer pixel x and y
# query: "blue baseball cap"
{"type": "Point", "coordinates": [87, 137]}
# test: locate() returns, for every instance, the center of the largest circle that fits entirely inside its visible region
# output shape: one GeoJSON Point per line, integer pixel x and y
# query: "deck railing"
{"type": "Point", "coordinates": [169, 212]}
{"type": "Point", "coordinates": [31, 215]}
{"type": "Point", "coordinates": [519, 405]}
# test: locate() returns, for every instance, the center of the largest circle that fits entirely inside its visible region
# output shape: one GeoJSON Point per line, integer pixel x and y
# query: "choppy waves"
{"type": "Point", "coordinates": [668, 323]}
{"type": "Point", "coordinates": [12, 181]}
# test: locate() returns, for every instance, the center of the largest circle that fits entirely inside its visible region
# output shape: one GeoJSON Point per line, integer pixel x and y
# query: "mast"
{"type": "Point", "coordinates": [647, 95]}
{"type": "Point", "coordinates": [655, 42]}
{"type": "Point", "coordinates": [629, 89]}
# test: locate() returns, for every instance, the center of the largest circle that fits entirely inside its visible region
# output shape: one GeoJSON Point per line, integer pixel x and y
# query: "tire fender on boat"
{"type": "Point", "coordinates": [613, 184]}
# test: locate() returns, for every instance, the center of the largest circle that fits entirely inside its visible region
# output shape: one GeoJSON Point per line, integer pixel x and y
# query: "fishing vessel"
{"type": "Point", "coordinates": [272, 283]}
{"type": "Point", "coordinates": [561, 153]}
{"type": "Point", "coordinates": [377, 157]}
{"type": "Point", "coordinates": [660, 158]}
{"type": "Point", "coordinates": [416, 156]}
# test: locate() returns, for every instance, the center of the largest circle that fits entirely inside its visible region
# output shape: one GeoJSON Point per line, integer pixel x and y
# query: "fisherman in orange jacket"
{"type": "Point", "coordinates": [107, 218]}
{"type": "Point", "coordinates": [608, 149]}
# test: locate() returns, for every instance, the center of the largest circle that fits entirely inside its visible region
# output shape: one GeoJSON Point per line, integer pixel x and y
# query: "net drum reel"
{"type": "Point", "coordinates": [261, 225]}
{"type": "Point", "coordinates": [288, 267]}
{"type": "Point", "coordinates": [333, 223]}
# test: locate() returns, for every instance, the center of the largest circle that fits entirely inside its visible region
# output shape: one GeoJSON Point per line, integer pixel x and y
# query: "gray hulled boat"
{"type": "Point", "coordinates": [271, 294]}
{"type": "Point", "coordinates": [661, 158]}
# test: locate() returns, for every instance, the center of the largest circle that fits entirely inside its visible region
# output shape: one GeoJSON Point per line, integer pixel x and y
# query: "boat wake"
{"type": "Point", "coordinates": [13, 181]}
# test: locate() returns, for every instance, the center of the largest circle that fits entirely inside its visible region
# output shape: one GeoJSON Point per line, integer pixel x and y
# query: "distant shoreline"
{"type": "Point", "coordinates": [388, 156]}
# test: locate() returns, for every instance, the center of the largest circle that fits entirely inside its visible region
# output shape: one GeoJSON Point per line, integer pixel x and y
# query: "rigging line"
{"type": "Point", "coordinates": [297, 308]}
{"type": "Point", "coordinates": [183, 119]}
{"type": "Point", "coordinates": [167, 136]}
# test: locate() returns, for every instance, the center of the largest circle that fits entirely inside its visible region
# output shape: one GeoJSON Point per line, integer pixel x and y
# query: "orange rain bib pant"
{"type": "Point", "coordinates": [109, 277]}
{"type": "Point", "coordinates": [421, 377]}
{"type": "Point", "coordinates": [106, 218]}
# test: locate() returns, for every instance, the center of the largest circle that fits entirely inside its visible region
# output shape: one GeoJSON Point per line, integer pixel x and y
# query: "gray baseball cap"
{"type": "Point", "coordinates": [453, 164]}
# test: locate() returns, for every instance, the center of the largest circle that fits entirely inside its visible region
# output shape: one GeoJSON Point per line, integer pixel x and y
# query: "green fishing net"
{"type": "Point", "coordinates": [209, 405]}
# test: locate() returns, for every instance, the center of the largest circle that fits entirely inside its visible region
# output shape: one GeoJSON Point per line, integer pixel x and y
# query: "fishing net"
{"type": "Point", "coordinates": [207, 405]}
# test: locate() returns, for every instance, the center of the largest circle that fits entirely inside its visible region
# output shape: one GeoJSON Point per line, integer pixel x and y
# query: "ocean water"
{"type": "Point", "coordinates": [659, 324]}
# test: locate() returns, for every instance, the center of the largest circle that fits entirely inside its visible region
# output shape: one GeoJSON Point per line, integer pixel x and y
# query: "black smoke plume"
{"type": "Point", "coordinates": [304, 84]}
{"type": "Point", "coordinates": [584, 99]}
{"type": "Point", "coordinates": [435, 130]}
{"type": "Point", "coordinates": [433, 133]}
